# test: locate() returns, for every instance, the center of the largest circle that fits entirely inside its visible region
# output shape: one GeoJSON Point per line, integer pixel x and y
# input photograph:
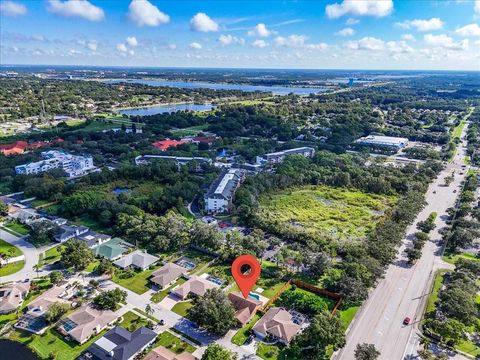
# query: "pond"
{"type": "Point", "coordinates": [161, 109]}
{"type": "Point", "coordinates": [276, 90]}
{"type": "Point", "coordinates": [14, 350]}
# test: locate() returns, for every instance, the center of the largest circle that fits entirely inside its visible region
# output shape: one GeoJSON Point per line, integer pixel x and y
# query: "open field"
{"type": "Point", "coordinates": [51, 255]}
{"type": "Point", "coordinates": [340, 213]}
{"type": "Point", "coordinates": [182, 307]}
{"type": "Point", "coordinates": [8, 249]}
{"type": "Point", "coordinates": [190, 131]}
{"type": "Point", "coordinates": [17, 227]}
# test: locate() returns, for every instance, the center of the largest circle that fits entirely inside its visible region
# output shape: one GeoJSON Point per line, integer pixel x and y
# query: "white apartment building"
{"type": "Point", "coordinates": [73, 165]}
{"type": "Point", "coordinates": [219, 197]}
{"type": "Point", "coordinates": [279, 156]}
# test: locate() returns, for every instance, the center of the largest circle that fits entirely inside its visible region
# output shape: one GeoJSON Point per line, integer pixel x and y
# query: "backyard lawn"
{"type": "Point", "coordinates": [347, 315]}
{"type": "Point", "coordinates": [452, 258]}
{"type": "Point", "coordinates": [341, 213]}
{"type": "Point", "coordinates": [173, 343]}
{"type": "Point", "coordinates": [271, 352]}
{"type": "Point", "coordinates": [181, 307]}
{"type": "Point", "coordinates": [138, 283]}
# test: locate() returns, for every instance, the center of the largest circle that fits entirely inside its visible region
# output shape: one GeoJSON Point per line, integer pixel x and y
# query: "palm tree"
{"type": "Point", "coordinates": [37, 269]}
{"type": "Point", "coordinates": [149, 309]}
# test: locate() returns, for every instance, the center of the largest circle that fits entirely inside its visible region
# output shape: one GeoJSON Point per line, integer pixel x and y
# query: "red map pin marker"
{"type": "Point", "coordinates": [251, 271]}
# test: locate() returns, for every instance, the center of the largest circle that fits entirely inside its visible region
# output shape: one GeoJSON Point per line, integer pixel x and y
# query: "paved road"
{"type": "Point", "coordinates": [31, 257]}
{"type": "Point", "coordinates": [404, 289]}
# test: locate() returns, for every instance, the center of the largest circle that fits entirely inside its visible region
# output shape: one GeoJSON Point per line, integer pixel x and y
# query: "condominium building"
{"type": "Point", "coordinates": [279, 156]}
{"type": "Point", "coordinates": [73, 165]}
{"type": "Point", "coordinates": [219, 196]}
{"type": "Point", "coordinates": [377, 140]}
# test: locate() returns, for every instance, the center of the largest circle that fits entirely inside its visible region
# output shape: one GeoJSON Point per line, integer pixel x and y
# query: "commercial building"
{"type": "Point", "coordinates": [279, 156]}
{"type": "Point", "coordinates": [219, 196]}
{"type": "Point", "coordinates": [73, 165]}
{"type": "Point", "coordinates": [377, 140]}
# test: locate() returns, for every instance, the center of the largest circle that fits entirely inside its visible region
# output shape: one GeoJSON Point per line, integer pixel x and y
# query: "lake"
{"type": "Point", "coordinates": [14, 350]}
{"type": "Point", "coordinates": [276, 90]}
{"type": "Point", "coordinates": [161, 109]}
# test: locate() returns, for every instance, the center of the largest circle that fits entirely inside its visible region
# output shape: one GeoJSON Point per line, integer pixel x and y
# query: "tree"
{"type": "Point", "coordinates": [110, 299]}
{"type": "Point", "coordinates": [218, 352]}
{"type": "Point", "coordinates": [56, 311]}
{"type": "Point", "coordinates": [213, 312]}
{"type": "Point", "coordinates": [3, 209]}
{"type": "Point", "coordinates": [42, 232]}
{"type": "Point", "coordinates": [366, 352]}
{"type": "Point", "coordinates": [104, 267]}
{"type": "Point", "coordinates": [319, 263]}
{"type": "Point", "coordinates": [148, 309]}
{"type": "Point", "coordinates": [205, 236]}
{"type": "Point", "coordinates": [413, 255]}
{"type": "Point", "coordinates": [324, 331]}
{"type": "Point", "coordinates": [36, 267]}
{"type": "Point", "coordinates": [76, 255]}
{"type": "Point", "coordinates": [56, 277]}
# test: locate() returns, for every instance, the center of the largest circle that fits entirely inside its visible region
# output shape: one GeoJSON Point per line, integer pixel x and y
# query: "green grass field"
{"type": "Point", "coordinates": [339, 212]}
{"type": "Point", "coordinates": [138, 283]}
{"type": "Point", "coordinates": [452, 258]}
{"type": "Point", "coordinates": [242, 335]}
{"type": "Point", "coordinates": [190, 131]}
{"type": "Point", "coordinates": [173, 343]}
{"type": "Point", "coordinates": [17, 227]}
{"type": "Point", "coordinates": [181, 308]}
{"type": "Point", "coordinates": [132, 321]}
{"type": "Point", "coordinates": [52, 255]}
{"type": "Point", "coordinates": [271, 352]}
{"type": "Point", "coordinates": [159, 296]}
{"type": "Point", "coordinates": [10, 269]}
{"type": "Point", "coordinates": [8, 249]}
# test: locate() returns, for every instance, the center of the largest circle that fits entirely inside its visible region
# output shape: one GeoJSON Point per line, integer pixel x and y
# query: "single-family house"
{"type": "Point", "coordinates": [279, 324]}
{"type": "Point", "coordinates": [138, 259]}
{"type": "Point", "coordinates": [67, 232]}
{"type": "Point", "coordinates": [162, 353]}
{"type": "Point", "coordinates": [12, 296]}
{"type": "Point", "coordinates": [85, 323]}
{"type": "Point", "coordinates": [245, 309]}
{"type": "Point", "coordinates": [120, 344]}
{"type": "Point", "coordinates": [196, 286]}
{"type": "Point", "coordinates": [112, 249]}
{"type": "Point", "coordinates": [93, 238]}
{"type": "Point", "coordinates": [167, 274]}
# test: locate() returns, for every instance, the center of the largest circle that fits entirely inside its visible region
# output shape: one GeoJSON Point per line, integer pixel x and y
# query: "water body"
{"type": "Point", "coordinates": [276, 90]}
{"type": "Point", "coordinates": [14, 350]}
{"type": "Point", "coordinates": [161, 109]}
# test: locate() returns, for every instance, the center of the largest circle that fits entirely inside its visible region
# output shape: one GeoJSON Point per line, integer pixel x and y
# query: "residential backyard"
{"type": "Point", "coordinates": [137, 283]}
{"type": "Point", "coordinates": [8, 249]}
{"type": "Point", "coordinates": [17, 228]}
{"type": "Point", "coordinates": [341, 213]}
{"type": "Point", "coordinates": [173, 343]}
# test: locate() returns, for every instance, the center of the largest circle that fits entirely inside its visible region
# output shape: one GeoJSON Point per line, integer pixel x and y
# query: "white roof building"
{"type": "Point", "coordinates": [379, 140]}
{"type": "Point", "coordinates": [137, 259]}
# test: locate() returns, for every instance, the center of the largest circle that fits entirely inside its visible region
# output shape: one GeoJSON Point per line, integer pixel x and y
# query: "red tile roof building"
{"type": "Point", "coordinates": [166, 144]}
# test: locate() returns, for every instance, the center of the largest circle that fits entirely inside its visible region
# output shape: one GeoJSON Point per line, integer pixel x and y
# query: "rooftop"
{"type": "Point", "coordinates": [279, 323]}
{"type": "Point", "coordinates": [162, 353]}
{"type": "Point", "coordinates": [12, 295]}
{"type": "Point", "coordinates": [137, 258]}
{"type": "Point", "coordinates": [167, 273]}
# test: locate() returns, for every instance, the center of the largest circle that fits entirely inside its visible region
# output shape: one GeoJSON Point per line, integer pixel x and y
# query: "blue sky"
{"type": "Point", "coordinates": [347, 34]}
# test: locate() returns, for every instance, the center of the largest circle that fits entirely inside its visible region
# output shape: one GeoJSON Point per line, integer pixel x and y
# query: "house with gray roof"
{"type": "Point", "coordinates": [120, 344]}
{"type": "Point", "coordinates": [12, 296]}
{"type": "Point", "coordinates": [219, 196]}
{"type": "Point", "coordinates": [167, 274]}
{"type": "Point", "coordinates": [138, 259]}
{"type": "Point", "coordinates": [67, 232]}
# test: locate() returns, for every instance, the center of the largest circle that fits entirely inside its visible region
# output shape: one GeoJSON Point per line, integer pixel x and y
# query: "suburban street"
{"type": "Point", "coordinates": [404, 290]}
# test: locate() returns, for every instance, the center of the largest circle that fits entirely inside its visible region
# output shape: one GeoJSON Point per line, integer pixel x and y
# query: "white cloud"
{"type": "Point", "coordinates": [319, 46]}
{"type": "Point", "coordinates": [422, 25]}
{"type": "Point", "coordinates": [144, 13]}
{"type": "Point", "coordinates": [469, 30]}
{"type": "Point", "coordinates": [203, 23]}
{"type": "Point", "coordinates": [260, 44]}
{"type": "Point", "coordinates": [346, 32]}
{"type": "Point", "coordinates": [229, 40]}
{"type": "Point", "coordinates": [11, 8]}
{"type": "Point", "coordinates": [122, 48]}
{"type": "Point", "coordinates": [290, 41]}
{"type": "Point", "coordinates": [360, 7]}
{"type": "Point", "coordinates": [132, 41]}
{"type": "Point", "coordinates": [195, 45]}
{"type": "Point", "coordinates": [444, 41]}
{"type": "Point", "coordinates": [79, 8]}
{"type": "Point", "coordinates": [90, 44]}
{"type": "Point", "coordinates": [352, 21]}
{"type": "Point", "coordinates": [172, 46]}
{"type": "Point", "coordinates": [399, 47]}
{"type": "Point", "coordinates": [366, 43]}
{"type": "Point", "coordinates": [260, 30]}
{"type": "Point", "coordinates": [408, 37]}
{"type": "Point", "coordinates": [477, 6]}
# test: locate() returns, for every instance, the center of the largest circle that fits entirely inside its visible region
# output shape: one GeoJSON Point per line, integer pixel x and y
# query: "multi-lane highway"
{"type": "Point", "coordinates": [404, 289]}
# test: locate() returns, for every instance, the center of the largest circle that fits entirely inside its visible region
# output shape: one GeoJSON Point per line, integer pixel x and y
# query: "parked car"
{"type": "Point", "coordinates": [406, 321]}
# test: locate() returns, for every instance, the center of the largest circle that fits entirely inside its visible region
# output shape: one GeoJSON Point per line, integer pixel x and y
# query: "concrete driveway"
{"type": "Point", "coordinates": [31, 257]}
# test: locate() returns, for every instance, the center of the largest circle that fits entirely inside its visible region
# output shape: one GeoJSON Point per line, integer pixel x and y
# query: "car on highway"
{"type": "Point", "coordinates": [406, 321]}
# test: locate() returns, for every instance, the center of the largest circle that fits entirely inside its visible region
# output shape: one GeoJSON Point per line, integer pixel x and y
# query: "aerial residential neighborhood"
{"type": "Point", "coordinates": [233, 180]}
